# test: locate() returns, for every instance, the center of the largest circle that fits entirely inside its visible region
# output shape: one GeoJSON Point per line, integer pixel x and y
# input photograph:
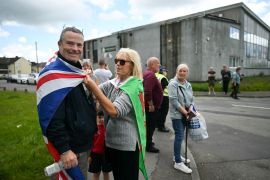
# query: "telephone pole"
{"type": "Point", "coordinates": [36, 56]}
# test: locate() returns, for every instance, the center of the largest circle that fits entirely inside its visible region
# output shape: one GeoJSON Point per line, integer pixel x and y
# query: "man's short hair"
{"type": "Point", "coordinates": [151, 60]}
{"type": "Point", "coordinates": [72, 29]}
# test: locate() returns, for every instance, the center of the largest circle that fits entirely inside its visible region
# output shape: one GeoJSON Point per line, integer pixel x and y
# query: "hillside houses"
{"type": "Point", "coordinates": [18, 65]}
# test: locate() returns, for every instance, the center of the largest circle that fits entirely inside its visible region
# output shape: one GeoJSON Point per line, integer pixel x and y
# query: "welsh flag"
{"type": "Point", "coordinates": [134, 88]}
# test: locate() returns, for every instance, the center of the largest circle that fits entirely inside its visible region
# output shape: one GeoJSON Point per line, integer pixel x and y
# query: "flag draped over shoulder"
{"type": "Point", "coordinates": [55, 81]}
{"type": "Point", "coordinates": [134, 88]}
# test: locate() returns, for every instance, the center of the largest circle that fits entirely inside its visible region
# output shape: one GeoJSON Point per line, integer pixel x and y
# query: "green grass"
{"type": "Point", "coordinates": [23, 152]}
{"type": "Point", "coordinates": [258, 83]}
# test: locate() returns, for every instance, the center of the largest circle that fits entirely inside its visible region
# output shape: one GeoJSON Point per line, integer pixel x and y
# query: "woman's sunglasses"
{"type": "Point", "coordinates": [122, 62]}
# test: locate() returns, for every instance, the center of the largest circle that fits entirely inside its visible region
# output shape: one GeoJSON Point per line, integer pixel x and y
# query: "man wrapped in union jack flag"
{"type": "Point", "coordinates": [67, 116]}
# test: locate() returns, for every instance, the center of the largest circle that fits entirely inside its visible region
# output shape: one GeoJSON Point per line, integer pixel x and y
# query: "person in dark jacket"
{"type": "Point", "coordinates": [226, 77]}
{"type": "Point", "coordinates": [73, 125]}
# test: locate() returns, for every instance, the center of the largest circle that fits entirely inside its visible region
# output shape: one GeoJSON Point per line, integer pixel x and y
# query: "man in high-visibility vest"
{"type": "Point", "coordinates": [163, 111]}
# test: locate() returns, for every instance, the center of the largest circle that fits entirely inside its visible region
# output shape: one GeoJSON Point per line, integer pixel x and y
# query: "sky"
{"type": "Point", "coordinates": [31, 26]}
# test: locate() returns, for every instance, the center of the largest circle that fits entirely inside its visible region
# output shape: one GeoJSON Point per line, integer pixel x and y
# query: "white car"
{"type": "Point", "coordinates": [22, 78]}
{"type": "Point", "coordinates": [32, 78]}
{"type": "Point", "coordinates": [12, 78]}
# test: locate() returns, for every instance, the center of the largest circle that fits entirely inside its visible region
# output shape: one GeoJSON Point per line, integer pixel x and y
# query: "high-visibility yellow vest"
{"type": "Point", "coordinates": [160, 77]}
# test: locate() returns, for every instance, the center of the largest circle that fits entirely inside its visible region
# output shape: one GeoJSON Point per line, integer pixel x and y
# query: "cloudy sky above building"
{"type": "Point", "coordinates": [22, 23]}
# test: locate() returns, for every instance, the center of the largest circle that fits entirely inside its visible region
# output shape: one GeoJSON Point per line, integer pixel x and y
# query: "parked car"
{"type": "Point", "coordinates": [22, 78]}
{"type": "Point", "coordinates": [3, 76]}
{"type": "Point", "coordinates": [12, 78]}
{"type": "Point", "coordinates": [32, 78]}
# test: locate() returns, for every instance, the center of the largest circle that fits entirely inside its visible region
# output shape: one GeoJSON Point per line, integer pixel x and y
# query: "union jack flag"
{"type": "Point", "coordinates": [55, 81]}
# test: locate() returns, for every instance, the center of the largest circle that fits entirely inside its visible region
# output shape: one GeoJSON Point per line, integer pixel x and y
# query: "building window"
{"type": "Point", "coordinates": [234, 61]}
{"type": "Point", "coordinates": [255, 46]}
{"type": "Point", "coordinates": [234, 33]}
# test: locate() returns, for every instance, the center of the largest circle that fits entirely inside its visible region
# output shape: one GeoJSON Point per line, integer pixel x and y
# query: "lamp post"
{"type": "Point", "coordinates": [36, 56]}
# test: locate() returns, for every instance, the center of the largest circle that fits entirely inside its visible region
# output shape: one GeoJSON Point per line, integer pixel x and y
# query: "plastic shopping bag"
{"type": "Point", "coordinates": [197, 128]}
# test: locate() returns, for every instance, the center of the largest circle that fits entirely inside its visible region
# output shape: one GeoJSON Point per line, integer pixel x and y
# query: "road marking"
{"type": "Point", "coordinates": [254, 107]}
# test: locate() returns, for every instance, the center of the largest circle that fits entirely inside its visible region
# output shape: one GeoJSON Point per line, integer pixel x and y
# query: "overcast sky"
{"type": "Point", "coordinates": [24, 22]}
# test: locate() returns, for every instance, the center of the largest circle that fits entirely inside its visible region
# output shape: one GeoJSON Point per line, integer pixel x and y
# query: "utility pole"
{"type": "Point", "coordinates": [36, 56]}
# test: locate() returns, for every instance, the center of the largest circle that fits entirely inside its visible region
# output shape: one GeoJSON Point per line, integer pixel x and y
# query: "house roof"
{"type": "Point", "coordinates": [42, 64]}
{"type": "Point", "coordinates": [8, 61]}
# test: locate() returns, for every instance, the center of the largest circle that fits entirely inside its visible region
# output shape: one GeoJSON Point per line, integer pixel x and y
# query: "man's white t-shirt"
{"type": "Point", "coordinates": [102, 75]}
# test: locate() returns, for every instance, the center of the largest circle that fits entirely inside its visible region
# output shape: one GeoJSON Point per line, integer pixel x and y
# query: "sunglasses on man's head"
{"type": "Point", "coordinates": [122, 62]}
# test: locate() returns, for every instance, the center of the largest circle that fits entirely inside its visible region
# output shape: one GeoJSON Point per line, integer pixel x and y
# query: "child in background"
{"type": "Point", "coordinates": [97, 162]}
{"type": "Point", "coordinates": [86, 65]}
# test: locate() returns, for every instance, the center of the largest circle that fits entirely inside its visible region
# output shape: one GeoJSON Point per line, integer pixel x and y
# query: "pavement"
{"type": "Point", "coordinates": [160, 167]}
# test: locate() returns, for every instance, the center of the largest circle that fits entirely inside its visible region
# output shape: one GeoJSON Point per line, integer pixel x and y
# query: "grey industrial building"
{"type": "Point", "coordinates": [231, 35]}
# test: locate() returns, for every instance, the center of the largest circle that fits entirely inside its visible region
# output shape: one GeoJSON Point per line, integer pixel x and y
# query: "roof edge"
{"type": "Point", "coordinates": [194, 15]}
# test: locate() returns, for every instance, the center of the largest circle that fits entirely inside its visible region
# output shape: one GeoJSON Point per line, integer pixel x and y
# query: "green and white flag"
{"type": "Point", "coordinates": [134, 88]}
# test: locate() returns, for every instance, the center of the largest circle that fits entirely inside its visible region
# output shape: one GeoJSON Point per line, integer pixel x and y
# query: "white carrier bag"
{"type": "Point", "coordinates": [197, 128]}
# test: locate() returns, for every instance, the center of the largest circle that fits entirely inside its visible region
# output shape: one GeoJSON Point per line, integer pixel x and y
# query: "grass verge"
{"type": "Point", "coordinates": [23, 152]}
{"type": "Point", "coordinates": [258, 83]}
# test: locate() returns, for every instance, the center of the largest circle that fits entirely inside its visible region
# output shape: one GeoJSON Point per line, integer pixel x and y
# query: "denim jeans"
{"type": "Point", "coordinates": [179, 128]}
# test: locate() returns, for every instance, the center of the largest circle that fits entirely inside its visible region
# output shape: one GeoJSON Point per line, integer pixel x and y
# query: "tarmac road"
{"type": "Point", "coordinates": [237, 148]}
{"type": "Point", "coordinates": [16, 87]}
{"type": "Point", "coordinates": [239, 139]}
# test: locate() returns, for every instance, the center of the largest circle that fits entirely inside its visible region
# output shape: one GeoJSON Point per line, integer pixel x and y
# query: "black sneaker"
{"type": "Point", "coordinates": [152, 149]}
{"type": "Point", "coordinates": [163, 129]}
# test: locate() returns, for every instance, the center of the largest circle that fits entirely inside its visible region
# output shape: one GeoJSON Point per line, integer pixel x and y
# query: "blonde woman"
{"type": "Point", "coordinates": [122, 101]}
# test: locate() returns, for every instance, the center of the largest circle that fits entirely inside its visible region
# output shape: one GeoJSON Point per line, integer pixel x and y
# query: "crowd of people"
{"type": "Point", "coordinates": [100, 123]}
{"type": "Point", "coordinates": [226, 77]}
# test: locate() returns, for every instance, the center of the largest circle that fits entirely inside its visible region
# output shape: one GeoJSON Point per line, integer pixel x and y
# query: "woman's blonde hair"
{"type": "Point", "coordinates": [181, 66]}
{"type": "Point", "coordinates": [135, 58]}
